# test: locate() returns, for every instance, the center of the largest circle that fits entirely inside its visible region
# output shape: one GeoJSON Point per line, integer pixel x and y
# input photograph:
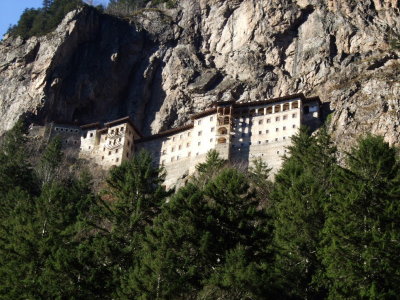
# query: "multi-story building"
{"type": "Point", "coordinates": [240, 132]}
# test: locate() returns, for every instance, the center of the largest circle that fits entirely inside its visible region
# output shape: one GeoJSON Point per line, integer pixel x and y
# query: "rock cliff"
{"type": "Point", "coordinates": [162, 65]}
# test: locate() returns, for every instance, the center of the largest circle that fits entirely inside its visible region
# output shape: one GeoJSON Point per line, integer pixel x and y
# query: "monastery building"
{"type": "Point", "coordinates": [240, 132]}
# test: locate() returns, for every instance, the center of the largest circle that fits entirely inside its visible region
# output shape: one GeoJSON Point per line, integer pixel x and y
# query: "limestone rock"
{"type": "Point", "coordinates": [165, 64]}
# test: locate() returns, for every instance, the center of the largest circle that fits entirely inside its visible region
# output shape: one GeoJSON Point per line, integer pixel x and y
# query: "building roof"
{"type": "Point", "coordinates": [204, 113]}
{"type": "Point", "coordinates": [268, 101]}
{"type": "Point", "coordinates": [165, 133]}
{"type": "Point", "coordinates": [122, 121]}
{"type": "Point", "coordinates": [91, 125]}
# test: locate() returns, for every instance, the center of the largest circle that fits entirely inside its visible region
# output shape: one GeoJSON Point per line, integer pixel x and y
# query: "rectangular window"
{"type": "Point", "coordinates": [102, 158]}
{"type": "Point", "coordinates": [187, 145]}
{"type": "Point", "coordinates": [91, 135]}
{"type": "Point", "coordinates": [212, 129]}
{"type": "Point", "coordinates": [116, 150]}
{"type": "Point", "coordinates": [266, 141]}
{"type": "Point", "coordinates": [109, 152]}
{"type": "Point", "coordinates": [199, 133]}
{"type": "Point", "coordinates": [276, 139]}
{"type": "Point", "coordinates": [294, 116]}
{"type": "Point", "coordinates": [189, 154]}
{"type": "Point", "coordinates": [211, 118]}
{"type": "Point", "coordinates": [268, 120]}
{"type": "Point", "coordinates": [173, 139]}
{"type": "Point", "coordinates": [260, 122]}
{"type": "Point", "coordinates": [180, 147]}
{"type": "Point", "coordinates": [277, 119]}
{"type": "Point", "coordinates": [172, 149]}
{"type": "Point", "coordinates": [199, 143]}
{"type": "Point", "coordinates": [285, 117]}
{"type": "Point", "coordinates": [267, 131]}
{"type": "Point", "coordinates": [117, 159]}
{"type": "Point", "coordinates": [211, 140]}
{"type": "Point", "coordinates": [284, 127]}
{"type": "Point", "coordinates": [294, 126]}
{"type": "Point", "coordinates": [163, 162]}
{"type": "Point", "coordinates": [259, 142]}
{"type": "Point", "coordinates": [260, 132]}
{"type": "Point", "coordinates": [180, 137]}
{"type": "Point", "coordinates": [198, 122]}
{"type": "Point", "coordinates": [277, 129]}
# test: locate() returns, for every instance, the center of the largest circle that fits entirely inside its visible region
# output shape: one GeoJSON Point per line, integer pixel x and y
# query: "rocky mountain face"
{"type": "Point", "coordinates": [162, 65]}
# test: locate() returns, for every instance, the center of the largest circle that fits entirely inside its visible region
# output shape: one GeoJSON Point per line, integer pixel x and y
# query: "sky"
{"type": "Point", "coordinates": [11, 10]}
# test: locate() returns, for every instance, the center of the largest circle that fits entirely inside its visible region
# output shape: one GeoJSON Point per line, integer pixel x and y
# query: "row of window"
{"type": "Point", "coordinates": [176, 158]}
{"type": "Point", "coordinates": [71, 142]}
{"type": "Point", "coordinates": [243, 134]}
{"type": "Point", "coordinates": [60, 129]}
{"type": "Point", "coordinates": [261, 142]}
{"type": "Point", "coordinates": [116, 159]}
{"type": "Point", "coordinates": [243, 122]}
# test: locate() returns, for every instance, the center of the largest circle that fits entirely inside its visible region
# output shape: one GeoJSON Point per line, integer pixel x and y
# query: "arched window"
{"type": "Point", "coordinates": [277, 108]}
{"type": "Point", "coordinates": [286, 106]}
{"type": "Point", "coordinates": [222, 130]}
{"type": "Point", "coordinates": [226, 120]}
{"type": "Point", "coordinates": [260, 111]}
{"type": "Point", "coordinates": [269, 110]}
{"type": "Point", "coordinates": [295, 104]}
{"type": "Point", "coordinates": [222, 141]}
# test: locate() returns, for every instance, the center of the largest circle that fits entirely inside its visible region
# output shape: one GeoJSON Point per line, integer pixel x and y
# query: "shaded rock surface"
{"type": "Point", "coordinates": [162, 65]}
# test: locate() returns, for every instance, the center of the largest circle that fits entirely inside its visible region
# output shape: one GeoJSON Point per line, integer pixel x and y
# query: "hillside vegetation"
{"type": "Point", "coordinates": [38, 22]}
{"type": "Point", "coordinates": [320, 231]}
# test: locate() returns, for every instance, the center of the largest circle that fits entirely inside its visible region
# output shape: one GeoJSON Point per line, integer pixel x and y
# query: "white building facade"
{"type": "Point", "coordinates": [240, 132]}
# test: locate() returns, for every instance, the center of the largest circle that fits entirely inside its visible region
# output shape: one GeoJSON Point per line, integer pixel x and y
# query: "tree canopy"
{"type": "Point", "coordinates": [319, 230]}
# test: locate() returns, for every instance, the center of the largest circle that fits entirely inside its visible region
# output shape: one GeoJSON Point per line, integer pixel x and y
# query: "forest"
{"type": "Point", "coordinates": [323, 229]}
{"type": "Point", "coordinates": [41, 21]}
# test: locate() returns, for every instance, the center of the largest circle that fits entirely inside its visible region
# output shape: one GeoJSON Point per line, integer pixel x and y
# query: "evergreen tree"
{"type": "Point", "coordinates": [196, 241]}
{"type": "Point", "coordinates": [15, 171]}
{"type": "Point", "coordinates": [51, 160]}
{"type": "Point", "coordinates": [259, 174]}
{"type": "Point", "coordinates": [362, 233]}
{"type": "Point", "coordinates": [210, 168]}
{"type": "Point", "coordinates": [302, 187]}
{"type": "Point", "coordinates": [40, 244]}
{"type": "Point", "coordinates": [132, 200]}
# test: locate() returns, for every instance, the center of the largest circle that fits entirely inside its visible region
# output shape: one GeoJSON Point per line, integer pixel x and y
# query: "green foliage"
{"type": "Point", "coordinates": [128, 7]}
{"type": "Point", "coordinates": [38, 22]}
{"type": "Point", "coordinates": [362, 232]}
{"type": "Point", "coordinates": [302, 187]}
{"type": "Point", "coordinates": [130, 203]}
{"type": "Point", "coordinates": [15, 171]}
{"type": "Point", "coordinates": [319, 231]}
{"type": "Point", "coordinates": [197, 238]}
{"type": "Point", "coordinates": [208, 169]}
{"type": "Point", "coordinates": [51, 161]}
{"type": "Point", "coordinates": [259, 174]}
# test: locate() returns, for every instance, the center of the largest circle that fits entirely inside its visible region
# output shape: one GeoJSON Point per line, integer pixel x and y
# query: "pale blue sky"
{"type": "Point", "coordinates": [11, 10]}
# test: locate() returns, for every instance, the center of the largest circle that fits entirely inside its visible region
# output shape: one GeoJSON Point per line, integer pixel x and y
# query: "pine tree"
{"type": "Point", "coordinates": [194, 242]}
{"type": "Point", "coordinates": [41, 244]}
{"type": "Point", "coordinates": [210, 168]}
{"type": "Point", "coordinates": [259, 176]}
{"type": "Point", "coordinates": [302, 187]}
{"type": "Point", "coordinates": [362, 233]}
{"type": "Point", "coordinates": [51, 160]}
{"type": "Point", "coordinates": [132, 200]}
